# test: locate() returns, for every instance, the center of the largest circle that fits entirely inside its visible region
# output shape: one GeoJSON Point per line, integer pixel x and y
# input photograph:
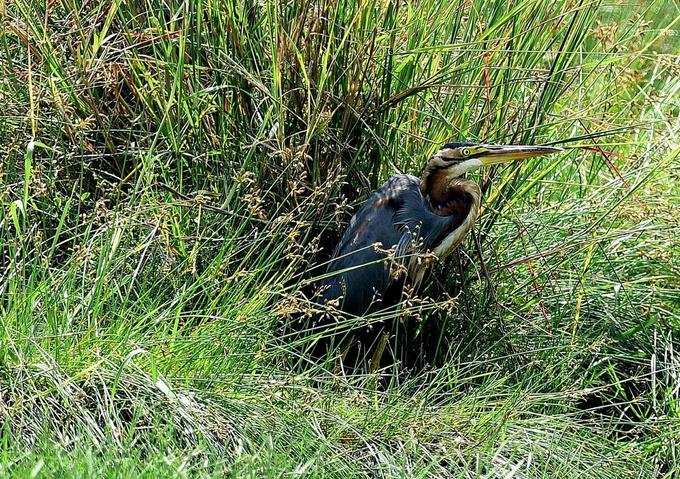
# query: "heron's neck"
{"type": "Point", "coordinates": [458, 187]}
{"type": "Point", "coordinates": [436, 178]}
{"type": "Point", "coordinates": [434, 182]}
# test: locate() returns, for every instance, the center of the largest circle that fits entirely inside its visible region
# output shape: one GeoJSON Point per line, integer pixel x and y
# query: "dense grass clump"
{"type": "Point", "coordinates": [174, 174]}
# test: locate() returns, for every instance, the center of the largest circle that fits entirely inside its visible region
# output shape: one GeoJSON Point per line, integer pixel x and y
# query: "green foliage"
{"type": "Point", "coordinates": [171, 172]}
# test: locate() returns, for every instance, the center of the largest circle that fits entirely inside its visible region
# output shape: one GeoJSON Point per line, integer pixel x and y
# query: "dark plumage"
{"type": "Point", "coordinates": [408, 217]}
{"type": "Point", "coordinates": [396, 217]}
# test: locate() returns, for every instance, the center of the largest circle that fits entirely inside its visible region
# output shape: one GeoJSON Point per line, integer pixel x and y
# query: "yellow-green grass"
{"type": "Point", "coordinates": [171, 172]}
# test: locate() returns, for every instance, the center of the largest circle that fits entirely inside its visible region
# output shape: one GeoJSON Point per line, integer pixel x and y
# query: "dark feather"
{"type": "Point", "coordinates": [396, 216]}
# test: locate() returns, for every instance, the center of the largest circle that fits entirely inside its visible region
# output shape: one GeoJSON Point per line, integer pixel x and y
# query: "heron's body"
{"type": "Point", "coordinates": [398, 224]}
{"type": "Point", "coordinates": [401, 225]}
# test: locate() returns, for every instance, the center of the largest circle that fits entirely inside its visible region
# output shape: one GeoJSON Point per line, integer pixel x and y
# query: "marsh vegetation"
{"type": "Point", "coordinates": [171, 173]}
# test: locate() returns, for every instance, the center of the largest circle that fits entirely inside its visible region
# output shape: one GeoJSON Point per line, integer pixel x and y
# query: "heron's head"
{"type": "Point", "coordinates": [456, 159]}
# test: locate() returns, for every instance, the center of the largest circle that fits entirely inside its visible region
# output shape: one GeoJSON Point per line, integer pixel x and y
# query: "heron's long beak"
{"type": "Point", "coordinates": [496, 154]}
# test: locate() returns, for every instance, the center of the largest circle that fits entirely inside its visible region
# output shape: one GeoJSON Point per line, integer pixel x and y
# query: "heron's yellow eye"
{"type": "Point", "coordinates": [465, 152]}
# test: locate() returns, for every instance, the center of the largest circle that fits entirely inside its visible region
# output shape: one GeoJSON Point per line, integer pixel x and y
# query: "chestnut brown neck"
{"type": "Point", "coordinates": [434, 183]}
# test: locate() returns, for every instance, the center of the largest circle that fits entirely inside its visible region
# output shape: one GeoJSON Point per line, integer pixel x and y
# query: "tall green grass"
{"type": "Point", "coordinates": [172, 172]}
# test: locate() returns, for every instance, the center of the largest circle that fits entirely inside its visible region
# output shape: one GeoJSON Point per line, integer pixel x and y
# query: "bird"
{"type": "Point", "coordinates": [410, 216]}
{"type": "Point", "coordinates": [407, 221]}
